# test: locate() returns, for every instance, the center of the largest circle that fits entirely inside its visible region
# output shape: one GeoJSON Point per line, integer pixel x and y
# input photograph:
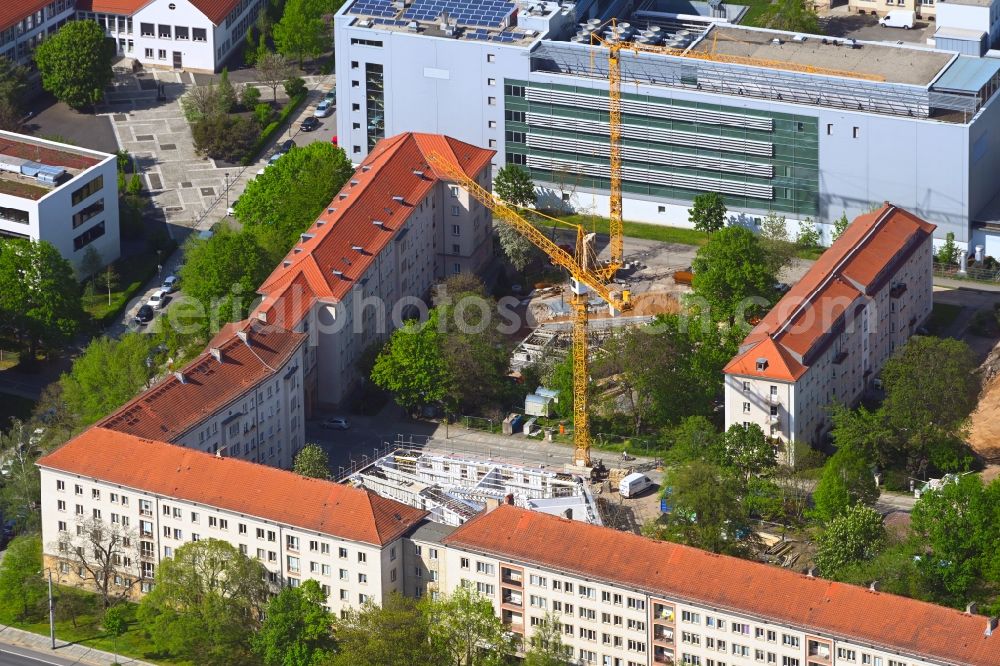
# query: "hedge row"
{"type": "Point", "coordinates": [274, 127]}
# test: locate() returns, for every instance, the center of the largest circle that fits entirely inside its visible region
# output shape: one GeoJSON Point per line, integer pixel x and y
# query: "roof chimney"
{"type": "Point", "coordinates": [874, 586]}
{"type": "Point", "coordinates": [242, 335]}
{"type": "Point", "coordinates": [991, 625]}
{"type": "Point", "coordinates": [179, 375]}
{"type": "Point", "coordinates": [971, 608]}
{"type": "Point", "coordinates": [509, 499]}
{"type": "Point", "coordinates": [216, 354]}
{"type": "Point", "coordinates": [811, 572]}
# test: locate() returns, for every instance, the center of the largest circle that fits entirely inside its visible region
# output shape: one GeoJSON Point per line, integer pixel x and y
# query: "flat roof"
{"type": "Point", "coordinates": [37, 154]}
{"type": "Point", "coordinates": [960, 33]}
{"type": "Point", "coordinates": [891, 63]}
{"type": "Point", "coordinates": [428, 530]}
{"type": "Point", "coordinates": [968, 75]}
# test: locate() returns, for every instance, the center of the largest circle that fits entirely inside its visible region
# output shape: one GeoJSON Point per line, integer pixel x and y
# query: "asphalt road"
{"type": "Point", "coordinates": [18, 656]}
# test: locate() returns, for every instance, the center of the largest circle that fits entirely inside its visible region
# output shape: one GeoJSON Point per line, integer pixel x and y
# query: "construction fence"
{"type": "Point", "coordinates": [974, 273]}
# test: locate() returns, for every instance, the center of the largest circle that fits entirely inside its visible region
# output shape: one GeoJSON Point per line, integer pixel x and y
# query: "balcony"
{"type": "Point", "coordinates": [663, 634]}
{"type": "Point", "coordinates": [662, 656]}
{"type": "Point", "coordinates": [819, 651]}
{"type": "Point", "coordinates": [774, 419]}
{"type": "Point", "coordinates": [663, 613]}
{"type": "Point", "coordinates": [514, 621]}
{"type": "Point", "coordinates": [512, 598]}
{"type": "Point", "coordinates": [511, 577]}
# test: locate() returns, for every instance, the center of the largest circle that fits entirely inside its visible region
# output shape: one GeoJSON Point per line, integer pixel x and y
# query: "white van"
{"type": "Point", "coordinates": [898, 18]}
{"type": "Point", "coordinates": [633, 484]}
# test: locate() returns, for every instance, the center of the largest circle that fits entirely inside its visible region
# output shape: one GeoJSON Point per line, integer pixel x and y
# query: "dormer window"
{"type": "Point", "coordinates": [761, 364]}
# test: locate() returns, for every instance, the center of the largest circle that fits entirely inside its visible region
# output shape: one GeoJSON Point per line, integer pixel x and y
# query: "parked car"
{"type": "Point", "coordinates": [274, 158]}
{"type": "Point", "coordinates": [323, 109]}
{"type": "Point", "coordinates": [309, 124]}
{"type": "Point", "coordinates": [231, 211]}
{"type": "Point", "coordinates": [144, 315]}
{"type": "Point", "coordinates": [170, 284]}
{"type": "Point", "coordinates": [633, 484]}
{"type": "Point", "coordinates": [336, 423]}
{"type": "Point", "coordinates": [898, 18]}
{"type": "Point", "coordinates": [285, 146]}
{"type": "Point", "coordinates": [331, 96]}
{"type": "Point", "coordinates": [157, 300]}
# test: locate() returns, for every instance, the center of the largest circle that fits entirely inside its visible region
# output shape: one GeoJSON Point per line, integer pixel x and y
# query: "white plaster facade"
{"type": "Point", "coordinates": [77, 214]}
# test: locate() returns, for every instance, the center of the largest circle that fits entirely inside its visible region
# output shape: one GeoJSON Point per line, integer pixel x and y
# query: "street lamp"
{"type": "Point", "coordinates": [52, 609]}
{"type": "Point", "coordinates": [227, 191]}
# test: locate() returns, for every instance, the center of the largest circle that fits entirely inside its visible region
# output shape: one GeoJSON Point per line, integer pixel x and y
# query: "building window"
{"type": "Point", "coordinates": [492, 101]}
{"type": "Point", "coordinates": [490, 57]}
{"type": "Point", "coordinates": [87, 213]}
{"type": "Point", "coordinates": [165, 32]}
{"type": "Point", "coordinates": [161, 54]}
{"type": "Point", "coordinates": [199, 35]}
{"type": "Point", "coordinates": [146, 29]}
{"type": "Point", "coordinates": [14, 215]}
{"type": "Point", "coordinates": [180, 32]}
{"type": "Point", "coordinates": [86, 190]}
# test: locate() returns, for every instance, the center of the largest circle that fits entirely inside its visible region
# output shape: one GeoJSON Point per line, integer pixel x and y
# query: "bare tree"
{"type": "Point", "coordinates": [201, 102]}
{"type": "Point", "coordinates": [273, 69]}
{"type": "Point", "coordinates": [108, 553]}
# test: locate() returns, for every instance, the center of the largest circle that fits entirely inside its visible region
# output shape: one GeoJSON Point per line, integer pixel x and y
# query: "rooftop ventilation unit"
{"type": "Point", "coordinates": [412, 26]}
{"type": "Point", "coordinates": [799, 38]}
{"type": "Point", "coordinates": [776, 41]}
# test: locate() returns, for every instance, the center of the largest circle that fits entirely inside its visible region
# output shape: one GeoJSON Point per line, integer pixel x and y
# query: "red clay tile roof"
{"type": "Point", "coordinates": [119, 7]}
{"type": "Point", "coordinates": [14, 11]}
{"type": "Point", "coordinates": [45, 155]}
{"type": "Point", "coordinates": [718, 581]}
{"type": "Point", "coordinates": [780, 364]}
{"type": "Point", "coordinates": [171, 408]}
{"type": "Point", "coordinates": [856, 264]}
{"type": "Point", "coordinates": [236, 485]}
{"type": "Point", "coordinates": [307, 272]}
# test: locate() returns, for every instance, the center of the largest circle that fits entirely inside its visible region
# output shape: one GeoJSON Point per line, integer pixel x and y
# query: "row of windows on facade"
{"type": "Point", "coordinates": [177, 32]}
{"type": "Point", "coordinates": [695, 660]}
{"type": "Point", "coordinates": [35, 20]}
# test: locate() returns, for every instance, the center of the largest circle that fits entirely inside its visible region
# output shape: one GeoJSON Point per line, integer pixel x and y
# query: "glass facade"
{"type": "Point", "coordinates": [374, 103]}
{"type": "Point", "coordinates": [672, 149]}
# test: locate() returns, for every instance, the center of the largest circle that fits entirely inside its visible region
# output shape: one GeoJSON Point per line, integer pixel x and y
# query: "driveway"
{"type": "Point", "coordinates": [86, 130]}
{"type": "Point", "coordinates": [865, 27]}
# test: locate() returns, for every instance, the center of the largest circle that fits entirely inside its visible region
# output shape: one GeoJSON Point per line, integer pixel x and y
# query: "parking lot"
{"type": "Point", "coordinates": [865, 27]}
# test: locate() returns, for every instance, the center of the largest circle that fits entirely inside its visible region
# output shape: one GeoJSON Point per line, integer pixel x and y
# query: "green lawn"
{"type": "Point", "coordinates": [133, 272]}
{"type": "Point", "coordinates": [88, 629]}
{"type": "Point", "coordinates": [942, 315]}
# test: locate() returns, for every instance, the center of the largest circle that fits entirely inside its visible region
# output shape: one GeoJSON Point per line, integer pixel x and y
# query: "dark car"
{"type": "Point", "coordinates": [144, 315]}
{"type": "Point", "coordinates": [285, 147]}
{"type": "Point", "coordinates": [310, 123]}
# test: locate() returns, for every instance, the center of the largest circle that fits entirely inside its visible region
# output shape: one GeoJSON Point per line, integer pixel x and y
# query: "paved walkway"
{"type": "Point", "coordinates": [37, 647]}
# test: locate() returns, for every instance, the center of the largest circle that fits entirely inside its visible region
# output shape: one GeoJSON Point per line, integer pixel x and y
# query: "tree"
{"type": "Point", "coordinates": [39, 295]}
{"type": "Point", "coordinates": [207, 601]}
{"type": "Point", "coordinates": [546, 645]}
{"type": "Point", "coordinates": [299, 34]}
{"type": "Point", "coordinates": [291, 193]}
{"type": "Point", "coordinates": [222, 273]}
{"type": "Point", "coordinates": [840, 226]}
{"type": "Point", "coordinates": [693, 438]}
{"type": "Point", "coordinates": [116, 623]}
{"type": "Point", "coordinates": [708, 212]}
{"type": "Point", "coordinates": [225, 137]}
{"type": "Point", "coordinates": [846, 480]}
{"type": "Point", "coordinates": [272, 70]}
{"type": "Point", "coordinates": [948, 252]}
{"type": "Point", "coordinates": [296, 628]}
{"type": "Point", "coordinates": [75, 63]}
{"type": "Point", "coordinates": [21, 490]}
{"type": "Point", "coordinates": [313, 462]}
{"type": "Point", "coordinates": [732, 275]}
{"type": "Point", "coordinates": [102, 549]}
{"type": "Point", "coordinates": [412, 366]}
{"type": "Point", "coordinates": [558, 376]}
{"type": "Point", "coordinates": [808, 236]}
{"type": "Point", "coordinates": [202, 102]}
{"type": "Point", "coordinates": [226, 92]}
{"type": "Point", "coordinates": [108, 374]}
{"type": "Point", "coordinates": [22, 589]}
{"type": "Point", "coordinates": [13, 85]}
{"type": "Point", "coordinates": [959, 528]}
{"type": "Point", "coordinates": [792, 16]}
{"type": "Point", "coordinates": [397, 632]}
{"type": "Point", "coordinates": [856, 535]}
{"type": "Point", "coordinates": [249, 96]}
{"type": "Point", "coordinates": [705, 510]}
{"type": "Point", "coordinates": [865, 431]}
{"type": "Point", "coordinates": [774, 240]}
{"type": "Point", "coordinates": [746, 450]}
{"type": "Point", "coordinates": [108, 279]}
{"type": "Point", "coordinates": [514, 185]}
{"type": "Point", "coordinates": [519, 250]}
{"type": "Point", "coordinates": [465, 630]}
{"type": "Point", "coordinates": [294, 85]}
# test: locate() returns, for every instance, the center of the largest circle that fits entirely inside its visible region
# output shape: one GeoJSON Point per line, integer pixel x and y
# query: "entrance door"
{"type": "Point", "coordinates": [177, 60]}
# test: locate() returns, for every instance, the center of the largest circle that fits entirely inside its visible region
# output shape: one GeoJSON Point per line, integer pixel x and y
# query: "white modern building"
{"type": "Point", "coordinates": [195, 35]}
{"type": "Point", "coordinates": [805, 126]}
{"type": "Point", "coordinates": [395, 229]}
{"type": "Point", "coordinates": [25, 23]}
{"type": "Point", "coordinates": [619, 599]}
{"type": "Point", "coordinates": [826, 340]}
{"type": "Point", "coordinates": [65, 195]}
{"type": "Point", "coordinates": [241, 398]}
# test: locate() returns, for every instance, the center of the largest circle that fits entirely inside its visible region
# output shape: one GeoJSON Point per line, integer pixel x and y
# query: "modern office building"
{"type": "Point", "coordinates": [827, 339]}
{"type": "Point", "coordinates": [369, 261]}
{"type": "Point", "coordinates": [65, 195]}
{"type": "Point", "coordinates": [241, 398]}
{"type": "Point", "coordinates": [801, 125]}
{"type": "Point", "coordinates": [196, 35]}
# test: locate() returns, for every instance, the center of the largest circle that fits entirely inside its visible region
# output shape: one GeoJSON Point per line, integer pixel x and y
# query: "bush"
{"type": "Point", "coordinates": [295, 86]}
{"type": "Point", "coordinates": [269, 131]}
{"type": "Point", "coordinates": [263, 113]}
{"type": "Point", "coordinates": [225, 137]}
{"type": "Point", "coordinates": [249, 96]}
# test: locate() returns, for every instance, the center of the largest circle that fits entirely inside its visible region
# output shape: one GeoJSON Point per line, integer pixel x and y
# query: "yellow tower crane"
{"type": "Point", "coordinates": [587, 275]}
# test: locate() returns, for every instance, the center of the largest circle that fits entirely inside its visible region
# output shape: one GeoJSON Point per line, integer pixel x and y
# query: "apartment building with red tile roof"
{"type": "Point", "coordinates": [25, 23]}
{"type": "Point", "coordinates": [241, 398]}
{"type": "Point", "coordinates": [394, 229]}
{"type": "Point", "coordinates": [825, 341]}
{"type": "Point", "coordinates": [675, 604]}
{"type": "Point", "coordinates": [169, 495]}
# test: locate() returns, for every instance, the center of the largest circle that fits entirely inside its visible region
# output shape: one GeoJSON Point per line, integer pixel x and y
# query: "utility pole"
{"type": "Point", "coordinates": [52, 611]}
{"type": "Point", "coordinates": [227, 191]}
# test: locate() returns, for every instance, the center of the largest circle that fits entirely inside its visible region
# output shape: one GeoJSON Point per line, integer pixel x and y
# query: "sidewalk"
{"type": "Point", "coordinates": [65, 653]}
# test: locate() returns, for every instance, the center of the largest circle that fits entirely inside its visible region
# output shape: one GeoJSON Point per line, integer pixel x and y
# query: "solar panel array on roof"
{"type": "Point", "coordinates": [392, 22]}
{"type": "Point", "coordinates": [374, 8]}
{"type": "Point", "coordinates": [504, 37]}
{"type": "Point", "coordinates": [491, 13]}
